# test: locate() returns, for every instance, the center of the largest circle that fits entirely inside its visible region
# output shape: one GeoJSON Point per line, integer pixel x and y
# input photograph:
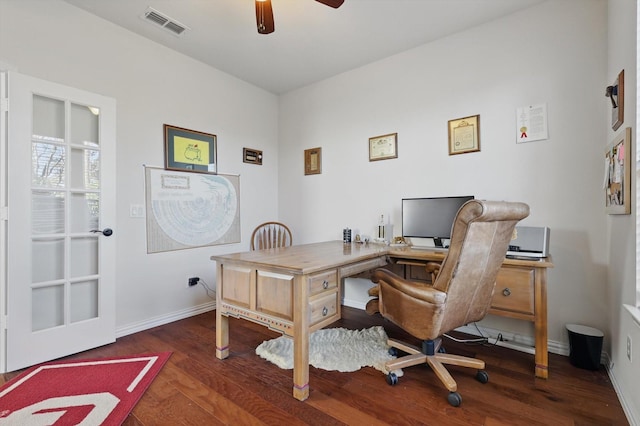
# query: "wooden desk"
{"type": "Point", "coordinates": [294, 290]}
{"type": "Point", "coordinates": [521, 292]}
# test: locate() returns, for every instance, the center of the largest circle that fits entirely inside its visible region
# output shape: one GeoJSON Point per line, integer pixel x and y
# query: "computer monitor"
{"type": "Point", "coordinates": [430, 218]}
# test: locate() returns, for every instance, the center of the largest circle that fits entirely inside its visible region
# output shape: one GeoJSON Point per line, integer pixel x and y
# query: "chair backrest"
{"type": "Point", "coordinates": [479, 242]}
{"type": "Point", "coordinates": [271, 235]}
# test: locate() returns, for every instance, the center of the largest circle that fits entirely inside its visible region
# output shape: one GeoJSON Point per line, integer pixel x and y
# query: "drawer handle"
{"type": "Point", "coordinates": [325, 284]}
{"type": "Point", "coordinates": [506, 292]}
{"type": "Point", "coordinates": [325, 311]}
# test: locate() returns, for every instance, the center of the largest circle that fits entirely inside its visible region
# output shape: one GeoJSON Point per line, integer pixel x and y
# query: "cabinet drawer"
{"type": "Point", "coordinates": [322, 282]}
{"type": "Point", "coordinates": [324, 307]}
{"type": "Point", "coordinates": [365, 265]}
{"type": "Point", "coordinates": [514, 291]}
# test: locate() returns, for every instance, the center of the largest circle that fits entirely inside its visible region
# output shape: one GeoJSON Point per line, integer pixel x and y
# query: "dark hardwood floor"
{"type": "Point", "coordinates": [196, 388]}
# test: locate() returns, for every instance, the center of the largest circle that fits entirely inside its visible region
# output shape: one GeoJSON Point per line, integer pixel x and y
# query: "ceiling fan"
{"type": "Point", "coordinates": [264, 13]}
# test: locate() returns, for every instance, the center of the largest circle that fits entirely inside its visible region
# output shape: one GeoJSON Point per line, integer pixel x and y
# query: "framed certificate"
{"type": "Point", "coordinates": [464, 135]}
{"type": "Point", "coordinates": [313, 161]}
{"type": "Point", "coordinates": [383, 147]}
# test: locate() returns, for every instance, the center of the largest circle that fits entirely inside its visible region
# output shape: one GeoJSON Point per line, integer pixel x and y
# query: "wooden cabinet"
{"type": "Point", "coordinates": [520, 293]}
{"type": "Point", "coordinates": [270, 296]}
{"type": "Point", "coordinates": [514, 295]}
{"type": "Point", "coordinates": [324, 299]}
{"type": "Point", "coordinates": [294, 290]}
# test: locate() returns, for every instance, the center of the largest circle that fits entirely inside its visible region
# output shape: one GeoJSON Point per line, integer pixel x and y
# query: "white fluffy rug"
{"type": "Point", "coordinates": [334, 349]}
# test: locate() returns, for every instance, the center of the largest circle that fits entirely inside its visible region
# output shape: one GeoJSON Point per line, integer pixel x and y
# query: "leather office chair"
{"type": "Point", "coordinates": [460, 294]}
{"type": "Point", "coordinates": [270, 235]}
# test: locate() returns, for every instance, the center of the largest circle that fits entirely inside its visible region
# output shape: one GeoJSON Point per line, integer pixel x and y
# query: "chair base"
{"type": "Point", "coordinates": [435, 359]}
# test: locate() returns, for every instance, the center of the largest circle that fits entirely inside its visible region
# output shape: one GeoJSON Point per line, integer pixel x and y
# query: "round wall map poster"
{"type": "Point", "coordinates": [187, 210]}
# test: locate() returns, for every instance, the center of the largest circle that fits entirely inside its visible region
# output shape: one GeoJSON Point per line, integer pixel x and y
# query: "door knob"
{"type": "Point", "coordinates": [106, 231]}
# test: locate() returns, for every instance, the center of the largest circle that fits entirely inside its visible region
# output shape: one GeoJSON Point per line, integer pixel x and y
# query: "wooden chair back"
{"type": "Point", "coordinates": [270, 235]}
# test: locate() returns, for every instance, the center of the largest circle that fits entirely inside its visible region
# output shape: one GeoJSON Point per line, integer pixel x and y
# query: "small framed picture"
{"type": "Point", "coordinates": [252, 156]}
{"type": "Point", "coordinates": [383, 147]}
{"type": "Point", "coordinates": [464, 135]}
{"type": "Point", "coordinates": [313, 161]}
{"type": "Point", "coordinates": [189, 150]}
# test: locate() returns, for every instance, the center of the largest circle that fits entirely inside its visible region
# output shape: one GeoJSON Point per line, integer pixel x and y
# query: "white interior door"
{"type": "Point", "coordinates": [60, 288]}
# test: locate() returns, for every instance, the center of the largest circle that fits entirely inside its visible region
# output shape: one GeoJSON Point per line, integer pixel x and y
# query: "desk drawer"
{"type": "Point", "coordinates": [366, 265]}
{"type": "Point", "coordinates": [323, 281]}
{"type": "Point", "coordinates": [514, 291]}
{"type": "Point", "coordinates": [323, 307]}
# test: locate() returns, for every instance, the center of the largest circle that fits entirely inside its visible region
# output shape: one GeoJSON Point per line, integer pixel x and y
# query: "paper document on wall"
{"type": "Point", "coordinates": [531, 123]}
{"type": "Point", "coordinates": [186, 210]}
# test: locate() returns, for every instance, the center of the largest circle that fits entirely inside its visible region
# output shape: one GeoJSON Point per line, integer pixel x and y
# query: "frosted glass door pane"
{"type": "Point", "coordinates": [48, 119]}
{"type": "Point", "coordinates": [84, 252]}
{"type": "Point", "coordinates": [47, 209]}
{"type": "Point", "coordinates": [48, 163]}
{"type": "Point", "coordinates": [84, 125]}
{"type": "Point", "coordinates": [48, 260]}
{"type": "Point", "coordinates": [85, 168]}
{"type": "Point", "coordinates": [84, 212]}
{"type": "Point", "coordinates": [84, 300]}
{"type": "Point", "coordinates": [47, 307]}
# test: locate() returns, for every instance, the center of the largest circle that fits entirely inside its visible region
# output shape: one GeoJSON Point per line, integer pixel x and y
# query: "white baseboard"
{"type": "Point", "coordinates": [164, 319]}
{"type": "Point", "coordinates": [509, 340]}
{"type": "Point", "coordinates": [524, 343]}
{"type": "Point", "coordinates": [353, 303]}
{"type": "Point", "coordinates": [632, 417]}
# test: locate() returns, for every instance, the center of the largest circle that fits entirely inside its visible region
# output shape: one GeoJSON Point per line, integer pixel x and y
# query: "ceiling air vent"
{"type": "Point", "coordinates": [169, 24]}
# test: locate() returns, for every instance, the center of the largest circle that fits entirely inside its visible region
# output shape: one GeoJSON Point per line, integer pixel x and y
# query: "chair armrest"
{"type": "Point", "coordinates": [414, 289]}
{"type": "Point", "coordinates": [433, 269]}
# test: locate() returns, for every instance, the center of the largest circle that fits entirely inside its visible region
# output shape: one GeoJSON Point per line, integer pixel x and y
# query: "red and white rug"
{"type": "Point", "coordinates": [79, 392]}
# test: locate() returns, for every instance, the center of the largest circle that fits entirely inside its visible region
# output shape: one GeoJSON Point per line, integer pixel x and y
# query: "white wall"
{"type": "Point", "coordinates": [621, 277]}
{"type": "Point", "coordinates": [152, 86]}
{"type": "Point", "coordinates": [555, 53]}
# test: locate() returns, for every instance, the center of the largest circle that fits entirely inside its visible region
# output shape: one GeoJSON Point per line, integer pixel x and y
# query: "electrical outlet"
{"type": "Point", "coordinates": [629, 347]}
{"type": "Point", "coordinates": [192, 281]}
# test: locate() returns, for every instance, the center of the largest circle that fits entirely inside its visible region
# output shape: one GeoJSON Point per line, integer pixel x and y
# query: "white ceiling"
{"type": "Point", "coordinates": [311, 41]}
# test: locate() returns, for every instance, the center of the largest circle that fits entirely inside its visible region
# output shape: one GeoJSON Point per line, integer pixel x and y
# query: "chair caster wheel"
{"type": "Point", "coordinates": [392, 379]}
{"type": "Point", "coordinates": [482, 376]}
{"type": "Point", "coordinates": [393, 351]}
{"type": "Point", "coordinates": [454, 399]}
{"type": "Point", "coordinates": [442, 350]}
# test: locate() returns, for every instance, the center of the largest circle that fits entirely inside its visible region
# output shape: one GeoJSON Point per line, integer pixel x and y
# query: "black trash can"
{"type": "Point", "coordinates": [585, 346]}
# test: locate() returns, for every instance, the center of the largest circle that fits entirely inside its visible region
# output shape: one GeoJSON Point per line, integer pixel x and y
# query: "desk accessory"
{"type": "Point", "coordinates": [346, 235]}
{"type": "Point", "coordinates": [529, 242]}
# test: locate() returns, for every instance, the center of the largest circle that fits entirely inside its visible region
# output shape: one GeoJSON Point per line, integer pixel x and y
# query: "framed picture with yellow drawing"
{"type": "Point", "coordinates": [189, 150]}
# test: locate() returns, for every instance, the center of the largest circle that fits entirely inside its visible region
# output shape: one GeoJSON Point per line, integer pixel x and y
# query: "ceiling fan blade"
{"type": "Point", "coordinates": [264, 17]}
{"type": "Point", "coordinates": [332, 3]}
